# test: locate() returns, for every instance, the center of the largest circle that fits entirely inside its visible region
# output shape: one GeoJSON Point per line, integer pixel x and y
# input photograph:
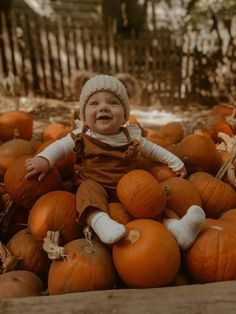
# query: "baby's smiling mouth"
{"type": "Point", "coordinates": [104, 117]}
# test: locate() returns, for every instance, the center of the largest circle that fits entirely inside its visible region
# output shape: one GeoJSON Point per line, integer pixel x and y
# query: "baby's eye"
{"type": "Point", "coordinates": [113, 102]}
{"type": "Point", "coordinates": [93, 103]}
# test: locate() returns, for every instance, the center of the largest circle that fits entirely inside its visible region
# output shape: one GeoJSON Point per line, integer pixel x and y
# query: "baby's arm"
{"type": "Point", "coordinates": [42, 162]}
{"type": "Point", "coordinates": [157, 153]}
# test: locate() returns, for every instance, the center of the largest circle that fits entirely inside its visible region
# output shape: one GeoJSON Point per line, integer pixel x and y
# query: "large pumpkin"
{"type": "Point", "coordinates": [25, 192]}
{"type": "Point", "coordinates": [12, 150]}
{"type": "Point", "coordinates": [85, 268]}
{"type": "Point", "coordinates": [217, 196]}
{"type": "Point", "coordinates": [199, 153]}
{"type": "Point", "coordinates": [16, 124]}
{"type": "Point", "coordinates": [212, 257]}
{"type": "Point", "coordinates": [181, 194]}
{"type": "Point", "coordinates": [148, 256]}
{"type": "Point", "coordinates": [30, 252]}
{"type": "Point", "coordinates": [55, 211]}
{"type": "Point", "coordinates": [141, 194]}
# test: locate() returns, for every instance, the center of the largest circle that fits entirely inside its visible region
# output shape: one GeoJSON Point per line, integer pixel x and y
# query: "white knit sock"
{"type": "Point", "coordinates": [186, 229]}
{"type": "Point", "coordinates": [108, 230]}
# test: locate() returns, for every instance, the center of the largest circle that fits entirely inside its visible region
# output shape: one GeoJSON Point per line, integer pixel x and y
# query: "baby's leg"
{"type": "Point", "coordinates": [108, 230]}
{"type": "Point", "coordinates": [186, 229]}
{"type": "Point", "coordinates": [91, 203]}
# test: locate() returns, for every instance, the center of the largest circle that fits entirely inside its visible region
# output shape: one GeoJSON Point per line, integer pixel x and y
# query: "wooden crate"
{"type": "Point", "coordinates": [192, 299]}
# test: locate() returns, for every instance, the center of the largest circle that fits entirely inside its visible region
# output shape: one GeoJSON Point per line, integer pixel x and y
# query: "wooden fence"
{"type": "Point", "coordinates": [39, 57]}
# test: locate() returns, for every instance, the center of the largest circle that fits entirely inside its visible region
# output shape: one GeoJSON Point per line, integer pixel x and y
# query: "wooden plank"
{"type": "Point", "coordinates": [216, 298]}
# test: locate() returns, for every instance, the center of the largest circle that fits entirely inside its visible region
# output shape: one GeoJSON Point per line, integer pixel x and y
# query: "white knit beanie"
{"type": "Point", "coordinates": [103, 83]}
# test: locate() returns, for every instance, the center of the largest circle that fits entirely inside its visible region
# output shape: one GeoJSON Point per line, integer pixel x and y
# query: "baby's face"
{"type": "Point", "coordinates": [104, 113]}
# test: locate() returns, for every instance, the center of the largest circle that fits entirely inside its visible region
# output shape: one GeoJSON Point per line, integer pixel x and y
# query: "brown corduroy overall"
{"type": "Point", "coordinates": [100, 168]}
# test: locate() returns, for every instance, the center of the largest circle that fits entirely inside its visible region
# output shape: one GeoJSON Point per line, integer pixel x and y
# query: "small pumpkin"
{"type": "Point", "coordinates": [20, 284]}
{"type": "Point", "coordinates": [54, 131]}
{"type": "Point", "coordinates": [172, 132]}
{"type": "Point", "coordinates": [160, 171]}
{"type": "Point", "coordinates": [148, 256]}
{"type": "Point", "coordinates": [84, 268]}
{"type": "Point", "coordinates": [118, 212]}
{"type": "Point", "coordinates": [16, 124]}
{"type": "Point", "coordinates": [141, 194]}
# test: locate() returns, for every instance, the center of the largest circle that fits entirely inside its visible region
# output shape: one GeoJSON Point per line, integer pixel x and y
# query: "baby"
{"type": "Point", "coordinates": [107, 147]}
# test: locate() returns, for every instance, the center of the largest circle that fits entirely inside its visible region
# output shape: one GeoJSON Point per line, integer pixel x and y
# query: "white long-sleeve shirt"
{"type": "Point", "coordinates": [64, 146]}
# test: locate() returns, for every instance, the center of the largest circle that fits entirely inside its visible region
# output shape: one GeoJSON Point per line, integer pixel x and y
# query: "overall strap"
{"type": "Point", "coordinates": [127, 134]}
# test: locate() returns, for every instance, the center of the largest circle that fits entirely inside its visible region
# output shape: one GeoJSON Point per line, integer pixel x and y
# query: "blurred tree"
{"type": "Point", "coordinates": [213, 21]}
{"type": "Point", "coordinates": [129, 16]}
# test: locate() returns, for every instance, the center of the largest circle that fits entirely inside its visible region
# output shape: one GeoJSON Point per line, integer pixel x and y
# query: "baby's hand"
{"type": "Point", "coordinates": [181, 172]}
{"type": "Point", "coordinates": [36, 165]}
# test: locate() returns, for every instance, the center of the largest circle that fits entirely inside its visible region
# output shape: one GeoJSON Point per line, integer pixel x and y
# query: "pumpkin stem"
{"type": "Point", "coordinates": [88, 235]}
{"type": "Point", "coordinates": [51, 246]}
{"type": "Point", "coordinates": [9, 262]}
{"type": "Point", "coordinates": [227, 143]}
{"type": "Point", "coordinates": [133, 236]}
{"type": "Point", "coordinates": [228, 163]}
{"type": "Point", "coordinates": [231, 175]}
{"type": "Point", "coordinates": [231, 119]}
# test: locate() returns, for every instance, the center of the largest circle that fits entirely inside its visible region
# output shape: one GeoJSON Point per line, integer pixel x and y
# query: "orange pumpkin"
{"type": "Point", "coordinates": [26, 191]}
{"type": "Point", "coordinates": [12, 150]}
{"type": "Point", "coordinates": [148, 256]}
{"type": "Point", "coordinates": [229, 215]}
{"type": "Point", "coordinates": [30, 252]}
{"type": "Point", "coordinates": [217, 196]}
{"type": "Point", "coordinates": [20, 284]}
{"type": "Point", "coordinates": [216, 120]}
{"type": "Point", "coordinates": [54, 131]}
{"type": "Point", "coordinates": [117, 212]}
{"type": "Point", "coordinates": [160, 171]}
{"type": "Point", "coordinates": [199, 153]}
{"type": "Point", "coordinates": [172, 132]}
{"type": "Point", "coordinates": [55, 211]}
{"type": "Point", "coordinates": [212, 257]}
{"type": "Point", "coordinates": [16, 124]}
{"type": "Point", "coordinates": [141, 194]}
{"type": "Point", "coordinates": [87, 268]}
{"type": "Point", "coordinates": [181, 194]}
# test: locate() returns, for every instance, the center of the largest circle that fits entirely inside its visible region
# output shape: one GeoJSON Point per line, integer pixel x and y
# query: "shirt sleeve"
{"type": "Point", "coordinates": [157, 153]}
{"type": "Point", "coordinates": [58, 150]}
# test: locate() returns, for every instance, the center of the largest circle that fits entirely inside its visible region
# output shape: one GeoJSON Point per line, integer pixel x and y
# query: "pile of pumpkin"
{"type": "Point", "coordinates": [43, 246]}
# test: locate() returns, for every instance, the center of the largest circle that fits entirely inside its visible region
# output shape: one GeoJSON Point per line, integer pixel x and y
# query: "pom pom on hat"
{"type": "Point", "coordinates": [100, 83]}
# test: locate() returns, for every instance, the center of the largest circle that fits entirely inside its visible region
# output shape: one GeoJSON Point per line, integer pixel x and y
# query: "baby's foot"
{"type": "Point", "coordinates": [186, 229]}
{"type": "Point", "coordinates": [108, 230]}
